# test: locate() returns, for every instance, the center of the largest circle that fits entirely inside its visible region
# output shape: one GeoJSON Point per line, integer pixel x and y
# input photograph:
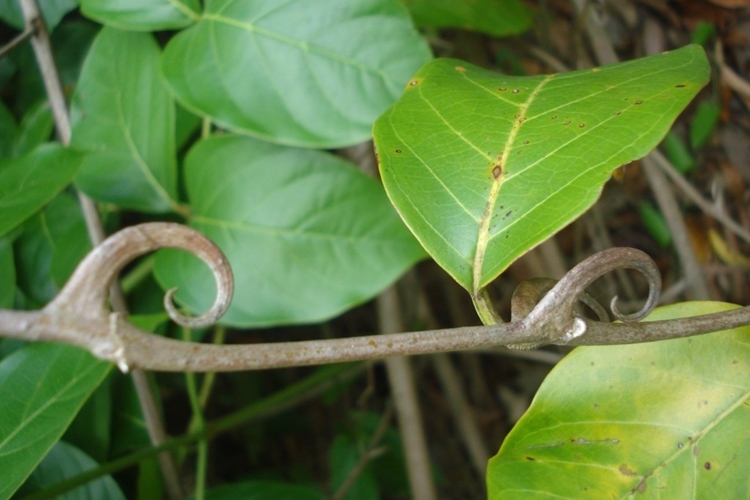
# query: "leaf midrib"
{"type": "Point", "coordinates": [61, 396]}
{"type": "Point", "coordinates": [483, 236]}
{"type": "Point", "coordinates": [138, 158]}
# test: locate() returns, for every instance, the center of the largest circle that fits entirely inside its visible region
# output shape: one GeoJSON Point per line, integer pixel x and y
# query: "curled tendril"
{"type": "Point", "coordinates": [555, 310]}
{"type": "Point", "coordinates": [528, 293]}
{"type": "Point", "coordinates": [88, 288]}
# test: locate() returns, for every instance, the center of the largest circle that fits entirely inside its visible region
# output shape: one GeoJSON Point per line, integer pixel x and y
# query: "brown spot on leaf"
{"type": "Point", "coordinates": [516, 91]}
{"type": "Point", "coordinates": [497, 171]}
{"type": "Point", "coordinates": [502, 89]}
{"type": "Point", "coordinates": [707, 466]}
{"type": "Point", "coordinates": [641, 488]}
{"type": "Point", "coordinates": [639, 101]}
{"type": "Point", "coordinates": [530, 459]}
{"type": "Point", "coordinates": [680, 85]}
{"type": "Point", "coordinates": [581, 125]}
{"type": "Point", "coordinates": [398, 151]}
{"type": "Point", "coordinates": [566, 122]}
{"type": "Point", "coordinates": [460, 69]}
{"type": "Point", "coordinates": [626, 471]}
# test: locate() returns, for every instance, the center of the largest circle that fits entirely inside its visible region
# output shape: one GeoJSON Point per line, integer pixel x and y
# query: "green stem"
{"type": "Point", "coordinates": [200, 427]}
{"type": "Point", "coordinates": [205, 127]}
{"type": "Point", "coordinates": [208, 380]}
{"type": "Point", "coordinates": [485, 309]}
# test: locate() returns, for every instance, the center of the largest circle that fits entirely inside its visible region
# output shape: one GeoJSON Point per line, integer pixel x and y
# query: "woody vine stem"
{"type": "Point", "coordinates": [543, 313]}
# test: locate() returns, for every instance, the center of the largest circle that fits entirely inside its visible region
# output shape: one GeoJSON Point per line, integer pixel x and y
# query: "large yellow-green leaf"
{"type": "Point", "coordinates": [313, 73]}
{"type": "Point", "coordinates": [658, 420]}
{"type": "Point", "coordinates": [483, 167]}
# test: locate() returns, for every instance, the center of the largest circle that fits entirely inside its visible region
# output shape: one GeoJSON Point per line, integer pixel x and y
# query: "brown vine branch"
{"type": "Point", "coordinates": [79, 315]}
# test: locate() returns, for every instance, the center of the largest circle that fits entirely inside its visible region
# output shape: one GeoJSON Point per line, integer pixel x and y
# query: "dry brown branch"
{"type": "Point", "coordinates": [79, 315]}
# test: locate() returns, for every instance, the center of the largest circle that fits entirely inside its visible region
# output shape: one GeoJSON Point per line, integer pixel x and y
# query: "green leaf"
{"type": "Point", "coordinates": [703, 124]}
{"type": "Point", "coordinates": [8, 131]}
{"type": "Point", "coordinates": [124, 119]}
{"type": "Point", "coordinates": [389, 468]}
{"type": "Point", "coordinates": [655, 223]}
{"type": "Point", "coordinates": [129, 429]}
{"type": "Point", "coordinates": [655, 420]}
{"type": "Point", "coordinates": [493, 17]}
{"type": "Point", "coordinates": [65, 461]}
{"type": "Point", "coordinates": [35, 129]}
{"type": "Point", "coordinates": [703, 33]}
{"type": "Point", "coordinates": [91, 430]}
{"type": "Point", "coordinates": [53, 242]}
{"type": "Point", "coordinates": [70, 43]}
{"type": "Point", "coordinates": [186, 125]}
{"type": "Point", "coordinates": [301, 72]}
{"type": "Point", "coordinates": [308, 236]}
{"type": "Point", "coordinates": [344, 456]}
{"type": "Point", "coordinates": [30, 182]}
{"type": "Point", "coordinates": [52, 12]}
{"type": "Point", "coordinates": [42, 387]}
{"type": "Point", "coordinates": [678, 153]}
{"type": "Point", "coordinates": [7, 273]}
{"type": "Point", "coordinates": [263, 490]}
{"type": "Point", "coordinates": [482, 167]}
{"type": "Point", "coordinates": [142, 15]}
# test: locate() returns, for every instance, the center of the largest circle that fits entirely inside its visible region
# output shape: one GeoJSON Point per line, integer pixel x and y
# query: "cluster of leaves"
{"type": "Point", "coordinates": [308, 234]}
{"type": "Point", "coordinates": [220, 122]}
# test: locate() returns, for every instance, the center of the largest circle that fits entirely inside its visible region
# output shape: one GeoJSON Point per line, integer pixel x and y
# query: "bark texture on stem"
{"type": "Point", "coordinates": [79, 315]}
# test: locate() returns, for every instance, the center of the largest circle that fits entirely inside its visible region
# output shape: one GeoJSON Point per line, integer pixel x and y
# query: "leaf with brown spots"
{"type": "Point", "coordinates": [474, 144]}
{"type": "Point", "coordinates": [648, 421]}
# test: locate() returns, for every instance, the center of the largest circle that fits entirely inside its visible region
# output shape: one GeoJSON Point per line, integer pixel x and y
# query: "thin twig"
{"type": "Point", "coordinates": [730, 77]}
{"type": "Point", "coordinates": [43, 51]}
{"type": "Point", "coordinates": [403, 388]}
{"type": "Point", "coordinates": [605, 54]}
{"type": "Point", "coordinates": [18, 39]}
{"type": "Point", "coordinates": [693, 195]}
{"type": "Point", "coordinates": [463, 416]}
{"type": "Point", "coordinates": [372, 452]}
{"type": "Point", "coordinates": [696, 282]}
